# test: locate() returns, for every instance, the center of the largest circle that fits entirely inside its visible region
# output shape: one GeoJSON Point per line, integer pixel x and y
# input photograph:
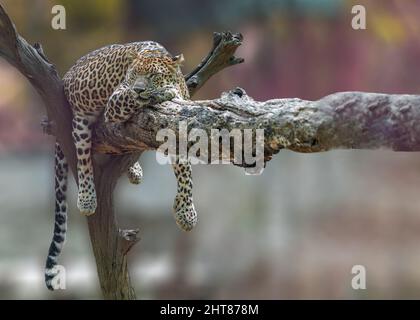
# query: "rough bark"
{"type": "Point", "coordinates": [344, 120]}
{"type": "Point", "coordinates": [110, 244]}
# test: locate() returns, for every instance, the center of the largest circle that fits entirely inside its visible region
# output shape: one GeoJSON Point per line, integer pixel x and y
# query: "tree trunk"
{"type": "Point", "coordinates": [111, 245]}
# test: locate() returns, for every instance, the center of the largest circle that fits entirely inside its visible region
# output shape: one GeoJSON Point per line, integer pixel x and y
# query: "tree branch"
{"type": "Point", "coordinates": [43, 76]}
{"type": "Point", "coordinates": [221, 56]}
{"type": "Point", "coordinates": [347, 120]}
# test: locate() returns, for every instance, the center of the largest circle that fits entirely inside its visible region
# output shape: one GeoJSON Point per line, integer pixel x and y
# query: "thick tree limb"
{"type": "Point", "coordinates": [348, 120]}
{"type": "Point", "coordinates": [43, 76]}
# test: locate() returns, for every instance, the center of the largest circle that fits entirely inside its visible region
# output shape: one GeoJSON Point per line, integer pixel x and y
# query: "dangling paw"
{"type": "Point", "coordinates": [86, 203]}
{"type": "Point", "coordinates": [135, 173]}
{"type": "Point", "coordinates": [167, 93]}
{"type": "Point", "coordinates": [184, 213]}
{"type": "Point", "coordinates": [159, 95]}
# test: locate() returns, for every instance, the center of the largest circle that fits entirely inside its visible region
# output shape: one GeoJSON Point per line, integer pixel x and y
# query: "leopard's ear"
{"type": "Point", "coordinates": [179, 59]}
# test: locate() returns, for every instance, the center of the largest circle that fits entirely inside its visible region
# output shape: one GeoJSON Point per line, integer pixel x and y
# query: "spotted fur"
{"type": "Point", "coordinates": [184, 211]}
{"type": "Point", "coordinates": [115, 81]}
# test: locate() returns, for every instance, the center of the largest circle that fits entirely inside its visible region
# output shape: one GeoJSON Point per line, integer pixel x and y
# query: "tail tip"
{"type": "Point", "coordinates": [52, 277]}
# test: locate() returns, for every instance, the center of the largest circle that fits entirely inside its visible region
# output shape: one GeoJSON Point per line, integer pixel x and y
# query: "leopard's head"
{"type": "Point", "coordinates": [157, 69]}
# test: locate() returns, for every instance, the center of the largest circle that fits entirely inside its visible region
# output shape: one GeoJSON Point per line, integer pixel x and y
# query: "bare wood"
{"type": "Point", "coordinates": [346, 120]}
{"type": "Point", "coordinates": [221, 56]}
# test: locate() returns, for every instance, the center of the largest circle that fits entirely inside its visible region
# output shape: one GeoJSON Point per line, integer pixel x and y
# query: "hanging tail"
{"type": "Point", "coordinates": [60, 225]}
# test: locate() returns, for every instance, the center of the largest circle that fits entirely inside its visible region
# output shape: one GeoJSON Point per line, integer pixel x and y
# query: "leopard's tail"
{"type": "Point", "coordinates": [60, 227]}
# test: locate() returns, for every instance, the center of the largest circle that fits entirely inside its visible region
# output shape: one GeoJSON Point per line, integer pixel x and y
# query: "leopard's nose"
{"type": "Point", "coordinates": [139, 87]}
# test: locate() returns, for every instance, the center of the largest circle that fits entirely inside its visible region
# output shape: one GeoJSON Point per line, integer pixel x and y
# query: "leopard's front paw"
{"type": "Point", "coordinates": [165, 94]}
{"type": "Point", "coordinates": [86, 203]}
{"type": "Point", "coordinates": [156, 96]}
{"type": "Point", "coordinates": [135, 173]}
{"type": "Point", "coordinates": [185, 214]}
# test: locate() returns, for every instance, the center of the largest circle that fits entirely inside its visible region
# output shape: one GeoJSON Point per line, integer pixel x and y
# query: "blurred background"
{"type": "Point", "coordinates": [297, 230]}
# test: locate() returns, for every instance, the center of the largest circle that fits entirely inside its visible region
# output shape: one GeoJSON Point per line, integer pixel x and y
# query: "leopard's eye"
{"type": "Point", "coordinates": [153, 77]}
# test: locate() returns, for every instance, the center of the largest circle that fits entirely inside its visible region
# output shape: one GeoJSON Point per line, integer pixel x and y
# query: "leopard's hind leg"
{"type": "Point", "coordinates": [60, 225]}
{"type": "Point", "coordinates": [82, 136]}
{"type": "Point", "coordinates": [184, 211]}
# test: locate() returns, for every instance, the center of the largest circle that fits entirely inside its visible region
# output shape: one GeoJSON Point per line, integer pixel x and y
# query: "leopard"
{"type": "Point", "coordinates": [115, 82]}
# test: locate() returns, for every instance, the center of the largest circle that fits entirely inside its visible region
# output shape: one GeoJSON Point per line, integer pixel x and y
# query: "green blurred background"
{"type": "Point", "coordinates": [295, 231]}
